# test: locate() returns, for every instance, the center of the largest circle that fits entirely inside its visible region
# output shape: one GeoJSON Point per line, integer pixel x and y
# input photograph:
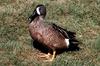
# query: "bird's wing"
{"type": "Point", "coordinates": [60, 30]}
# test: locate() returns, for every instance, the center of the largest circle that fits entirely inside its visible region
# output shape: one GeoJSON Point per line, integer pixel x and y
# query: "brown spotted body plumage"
{"type": "Point", "coordinates": [51, 36]}
{"type": "Point", "coordinates": [46, 34]}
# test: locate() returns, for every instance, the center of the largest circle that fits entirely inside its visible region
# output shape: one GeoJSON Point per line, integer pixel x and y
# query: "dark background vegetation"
{"type": "Point", "coordinates": [80, 16]}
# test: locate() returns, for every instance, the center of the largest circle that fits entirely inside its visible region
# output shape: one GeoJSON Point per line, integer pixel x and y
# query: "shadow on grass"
{"type": "Point", "coordinates": [72, 47]}
{"type": "Point", "coordinates": [39, 46]}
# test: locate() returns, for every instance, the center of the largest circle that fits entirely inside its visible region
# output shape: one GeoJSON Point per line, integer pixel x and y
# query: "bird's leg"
{"type": "Point", "coordinates": [53, 56]}
{"type": "Point", "coordinates": [45, 55]}
{"type": "Point", "coordinates": [48, 56]}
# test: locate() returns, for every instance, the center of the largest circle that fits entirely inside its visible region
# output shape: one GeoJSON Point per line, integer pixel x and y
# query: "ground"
{"type": "Point", "coordinates": [80, 16]}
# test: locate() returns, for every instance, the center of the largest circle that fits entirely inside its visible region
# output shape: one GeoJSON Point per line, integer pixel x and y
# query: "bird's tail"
{"type": "Point", "coordinates": [73, 41]}
{"type": "Point", "coordinates": [71, 36]}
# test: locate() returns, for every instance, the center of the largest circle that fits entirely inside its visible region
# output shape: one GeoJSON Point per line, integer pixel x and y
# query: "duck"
{"type": "Point", "coordinates": [50, 36]}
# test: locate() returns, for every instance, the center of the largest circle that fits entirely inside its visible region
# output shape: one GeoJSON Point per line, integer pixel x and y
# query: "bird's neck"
{"type": "Point", "coordinates": [41, 17]}
{"type": "Point", "coordinates": [38, 20]}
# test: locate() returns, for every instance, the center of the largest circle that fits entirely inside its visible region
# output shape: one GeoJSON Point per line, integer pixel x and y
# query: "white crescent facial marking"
{"type": "Point", "coordinates": [67, 42]}
{"type": "Point", "coordinates": [37, 10]}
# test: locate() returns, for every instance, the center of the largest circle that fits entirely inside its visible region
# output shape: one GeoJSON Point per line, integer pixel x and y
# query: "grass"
{"type": "Point", "coordinates": [81, 16]}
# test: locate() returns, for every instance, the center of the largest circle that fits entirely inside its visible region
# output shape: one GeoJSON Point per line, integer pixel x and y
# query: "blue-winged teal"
{"type": "Point", "coordinates": [51, 36]}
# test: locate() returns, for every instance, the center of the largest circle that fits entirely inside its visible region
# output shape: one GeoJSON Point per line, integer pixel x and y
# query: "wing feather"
{"type": "Point", "coordinates": [60, 30]}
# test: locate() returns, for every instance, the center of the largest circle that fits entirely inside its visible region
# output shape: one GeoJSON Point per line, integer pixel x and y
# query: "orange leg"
{"type": "Point", "coordinates": [48, 56]}
{"type": "Point", "coordinates": [53, 56]}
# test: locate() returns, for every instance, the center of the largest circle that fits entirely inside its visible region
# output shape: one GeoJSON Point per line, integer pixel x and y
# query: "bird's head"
{"type": "Point", "coordinates": [40, 10]}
